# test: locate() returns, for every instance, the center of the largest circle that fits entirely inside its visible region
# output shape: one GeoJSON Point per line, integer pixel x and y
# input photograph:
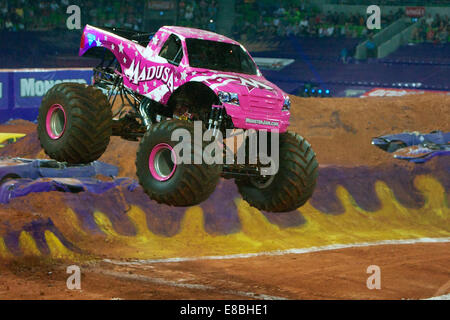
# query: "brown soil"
{"type": "Point", "coordinates": [122, 154]}
{"type": "Point", "coordinates": [18, 126]}
{"type": "Point", "coordinates": [407, 272]}
{"type": "Point", "coordinates": [340, 129]}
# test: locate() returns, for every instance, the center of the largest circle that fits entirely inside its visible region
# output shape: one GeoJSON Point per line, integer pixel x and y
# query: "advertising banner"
{"type": "Point", "coordinates": [276, 64]}
{"type": "Point", "coordinates": [21, 91]}
{"type": "Point", "coordinates": [384, 92]}
{"type": "Point", "coordinates": [415, 12]}
{"type": "Point", "coordinates": [31, 86]}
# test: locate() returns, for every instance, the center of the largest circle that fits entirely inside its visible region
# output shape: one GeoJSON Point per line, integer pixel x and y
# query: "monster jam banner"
{"type": "Point", "coordinates": [22, 90]}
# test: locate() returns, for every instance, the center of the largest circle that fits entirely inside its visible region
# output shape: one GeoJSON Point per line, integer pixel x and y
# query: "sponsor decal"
{"type": "Point", "coordinates": [415, 11]}
{"type": "Point", "coordinates": [262, 122]}
{"type": "Point", "coordinates": [136, 74]}
{"type": "Point", "coordinates": [31, 87]}
{"type": "Point", "coordinates": [91, 38]}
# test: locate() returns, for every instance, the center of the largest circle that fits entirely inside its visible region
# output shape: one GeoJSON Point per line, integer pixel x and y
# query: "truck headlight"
{"type": "Point", "coordinates": [286, 105]}
{"type": "Point", "coordinates": [228, 97]}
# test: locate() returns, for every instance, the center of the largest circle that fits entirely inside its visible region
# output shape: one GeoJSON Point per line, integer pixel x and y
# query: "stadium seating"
{"type": "Point", "coordinates": [318, 61]}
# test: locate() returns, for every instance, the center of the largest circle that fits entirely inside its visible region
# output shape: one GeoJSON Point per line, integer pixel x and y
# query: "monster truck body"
{"type": "Point", "coordinates": [176, 56]}
{"type": "Point", "coordinates": [149, 87]}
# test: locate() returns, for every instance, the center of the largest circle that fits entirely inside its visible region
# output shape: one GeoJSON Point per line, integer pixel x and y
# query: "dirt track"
{"type": "Point", "coordinates": [416, 271]}
{"type": "Point", "coordinates": [382, 199]}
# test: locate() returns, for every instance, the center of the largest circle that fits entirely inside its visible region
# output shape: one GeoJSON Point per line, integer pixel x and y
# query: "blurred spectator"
{"type": "Point", "coordinates": [430, 34]}
{"type": "Point", "coordinates": [299, 18]}
{"type": "Point", "coordinates": [189, 14]}
{"type": "Point", "coordinates": [429, 20]}
{"type": "Point", "coordinates": [18, 15]}
{"type": "Point", "coordinates": [199, 14]}
{"type": "Point", "coordinates": [419, 33]}
{"type": "Point", "coordinates": [344, 55]}
{"type": "Point", "coordinates": [255, 20]}
{"type": "Point", "coordinates": [432, 29]}
{"type": "Point", "coordinates": [371, 48]}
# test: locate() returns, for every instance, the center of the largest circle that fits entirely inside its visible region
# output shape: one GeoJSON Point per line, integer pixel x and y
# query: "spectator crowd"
{"type": "Point", "coordinates": [18, 15]}
{"type": "Point", "coordinates": [199, 14]}
{"type": "Point", "coordinates": [253, 20]}
{"type": "Point", "coordinates": [435, 29]}
{"type": "Point", "coordinates": [261, 19]}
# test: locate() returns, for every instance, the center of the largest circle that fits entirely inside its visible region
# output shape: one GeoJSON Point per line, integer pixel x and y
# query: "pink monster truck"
{"type": "Point", "coordinates": [148, 85]}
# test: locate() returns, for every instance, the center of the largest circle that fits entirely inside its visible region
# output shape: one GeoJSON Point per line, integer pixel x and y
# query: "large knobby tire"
{"type": "Point", "coordinates": [74, 123]}
{"type": "Point", "coordinates": [292, 185]}
{"type": "Point", "coordinates": [169, 183]}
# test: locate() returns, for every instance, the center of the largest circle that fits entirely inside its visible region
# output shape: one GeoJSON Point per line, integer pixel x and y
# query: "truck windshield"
{"type": "Point", "coordinates": [219, 56]}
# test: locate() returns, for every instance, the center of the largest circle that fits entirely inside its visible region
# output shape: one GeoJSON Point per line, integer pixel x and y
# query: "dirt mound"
{"type": "Point", "coordinates": [350, 205]}
{"type": "Point", "coordinates": [18, 126]}
{"type": "Point", "coordinates": [122, 154]}
{"type": "Point", "coordinates": [362, 195]}
{"type": "Point", "coordinates": [340, 129]}
{"type": "Point", "coordinates": [26, 147]}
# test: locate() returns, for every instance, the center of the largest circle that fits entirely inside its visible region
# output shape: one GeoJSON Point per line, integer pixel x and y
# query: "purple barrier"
{"type": "Point", "coordinates": [22, 90]}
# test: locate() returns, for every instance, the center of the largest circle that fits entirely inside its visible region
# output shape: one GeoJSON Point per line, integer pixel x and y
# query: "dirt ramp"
{"type": "Point", "coordinates": [341, 129]}
{"type": "Point", "coordinates": [361, 183]}
{"type": "Point", "coordinates": [362, 194]}
{"type": "Point", "coordinates": [350, 205]}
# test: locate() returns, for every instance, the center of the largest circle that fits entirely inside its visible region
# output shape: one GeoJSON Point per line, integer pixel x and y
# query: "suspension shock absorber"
{"type": "Point", "coordinates": [215, 119]}
{"type": "Point", "coordinates": [143, 110]}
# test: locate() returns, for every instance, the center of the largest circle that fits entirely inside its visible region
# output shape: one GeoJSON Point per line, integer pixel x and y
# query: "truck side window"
{"type": "Point", "coordinates": [172, 50]}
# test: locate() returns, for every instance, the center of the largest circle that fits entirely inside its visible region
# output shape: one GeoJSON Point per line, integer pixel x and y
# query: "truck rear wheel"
{"type": "Point", "coordinates": [166, 181]}
{"type": "Point", "coordinates": [74, 123]}
{"type": "Point", "coordinates": [292, 185]}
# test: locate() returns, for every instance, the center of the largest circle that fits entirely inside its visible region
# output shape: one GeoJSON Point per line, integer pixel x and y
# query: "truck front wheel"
{"type": "Point", "coordinates": [163, 178]}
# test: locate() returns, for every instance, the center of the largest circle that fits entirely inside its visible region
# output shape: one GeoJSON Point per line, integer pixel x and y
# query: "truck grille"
{"type": "Point", "coordinates": [264, 102]}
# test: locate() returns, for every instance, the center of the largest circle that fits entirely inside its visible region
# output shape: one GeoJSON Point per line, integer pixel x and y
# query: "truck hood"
{"type": "Point", "coordinates": [242, 84]}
